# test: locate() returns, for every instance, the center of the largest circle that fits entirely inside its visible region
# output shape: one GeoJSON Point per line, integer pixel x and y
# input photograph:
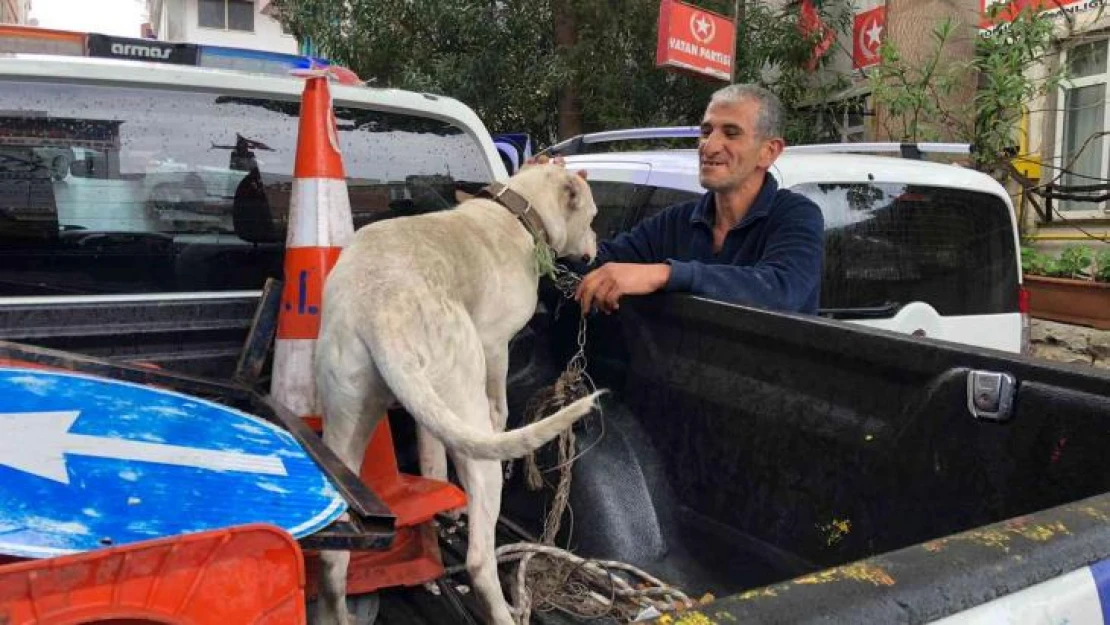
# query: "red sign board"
{"type": "Point", "coordinates": [1012, 8]}
{"type": "Point", "coordinates": [867, 35]}
{"type": "Point", "coordinates": [695, 40]}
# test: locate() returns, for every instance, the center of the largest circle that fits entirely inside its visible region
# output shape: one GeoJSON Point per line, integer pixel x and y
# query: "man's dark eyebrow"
{"type": "Point", "coordinates": [729, 127]}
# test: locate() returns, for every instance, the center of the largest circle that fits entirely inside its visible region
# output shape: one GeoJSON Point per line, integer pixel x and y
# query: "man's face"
{"type": "Point", "coordinates": [730, 151]}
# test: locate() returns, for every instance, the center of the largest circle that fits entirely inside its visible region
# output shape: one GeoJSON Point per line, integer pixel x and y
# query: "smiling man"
{"type": "Point", "coordinates": [745, 241]}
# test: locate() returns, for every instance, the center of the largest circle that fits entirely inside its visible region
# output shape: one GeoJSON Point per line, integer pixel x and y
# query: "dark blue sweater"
{"type": "Point", "coordinates": [771, 259]}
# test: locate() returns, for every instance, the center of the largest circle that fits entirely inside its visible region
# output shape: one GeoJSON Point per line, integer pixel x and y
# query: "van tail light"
{"type": "Point", "coordinates": [1026, 323]}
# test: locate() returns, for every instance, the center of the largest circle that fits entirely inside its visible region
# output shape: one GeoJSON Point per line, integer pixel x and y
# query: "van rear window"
{"type": "Point", "coordinates": [129, 190]}
{"type": "Point", "coordinates": [890, 244]}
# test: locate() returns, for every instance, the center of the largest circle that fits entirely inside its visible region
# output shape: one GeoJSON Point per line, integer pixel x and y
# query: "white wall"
{"type": "Point", "coordinates": [267, 33]}
{"type": "Point", "coordinates": [14, 11]}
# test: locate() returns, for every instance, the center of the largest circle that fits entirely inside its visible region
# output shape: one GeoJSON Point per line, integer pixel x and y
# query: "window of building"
{"type": "Point", "coordinates": [1081, 152]}
{"type": "Point", "coordinates": [841, 121]}
{"type": "Point", "coordinates": [227, 14]}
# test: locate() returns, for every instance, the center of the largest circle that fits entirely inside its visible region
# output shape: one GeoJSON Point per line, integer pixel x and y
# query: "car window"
{"type": "Point", "coordinates": [117, 190]}
{"type": "Point", "coordinates": [614, 206]}
{"type": "Point", "coordinates": [890, 244]}
{"type": "Point", "coordinates": [661, 198]}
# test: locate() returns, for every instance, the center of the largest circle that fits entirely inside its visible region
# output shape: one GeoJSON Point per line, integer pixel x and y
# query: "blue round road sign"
{"type": "Point", "coordinates": [88, 462]}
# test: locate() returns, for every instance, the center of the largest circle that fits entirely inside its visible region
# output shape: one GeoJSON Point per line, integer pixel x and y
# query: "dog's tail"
{"type": "Point", "coordinates": [416, 393]}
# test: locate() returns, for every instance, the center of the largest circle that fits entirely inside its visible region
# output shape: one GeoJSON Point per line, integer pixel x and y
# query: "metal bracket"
{"type": "Point", "coordinates": [990, 395]}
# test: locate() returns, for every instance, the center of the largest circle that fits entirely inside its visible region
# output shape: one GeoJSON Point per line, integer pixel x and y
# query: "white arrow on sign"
{"type": "Point", "coordinates": [37, 442]}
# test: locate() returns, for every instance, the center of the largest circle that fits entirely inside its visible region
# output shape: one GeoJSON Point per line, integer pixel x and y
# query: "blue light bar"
{"type": "Point", "coordinates": [256, 61]}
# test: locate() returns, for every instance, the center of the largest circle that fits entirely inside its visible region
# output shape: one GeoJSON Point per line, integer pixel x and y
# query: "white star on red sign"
{"type": "Point", "coordinates": [702, 28]}
{"type": "Point", "coordinates": [873, 34]}
{"type": "Point", "coordinates": [702, 25]}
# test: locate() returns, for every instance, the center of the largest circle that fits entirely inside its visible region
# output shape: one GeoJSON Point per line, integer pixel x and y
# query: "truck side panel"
{"type": "Point", "coordinates": [788, 444]}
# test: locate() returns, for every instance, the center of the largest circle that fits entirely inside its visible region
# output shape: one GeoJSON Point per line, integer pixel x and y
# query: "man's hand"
{"type": "Point", "coordinates": [603, 287]}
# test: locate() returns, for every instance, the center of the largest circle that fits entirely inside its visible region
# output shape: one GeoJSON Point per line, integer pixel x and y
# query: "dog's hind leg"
{"type": "Point", "coordinates": [353, 400]}
{"type": "Point", "coordinates": [463, 387]}
{"type": "Point", "coordinates": [482, 480]}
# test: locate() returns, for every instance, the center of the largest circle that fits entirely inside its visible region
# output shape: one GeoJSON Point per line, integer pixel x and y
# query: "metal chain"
{"type": "Point", "coordinates": [567, 282]}
{"type": "Point", "coordinates": [581, 384]}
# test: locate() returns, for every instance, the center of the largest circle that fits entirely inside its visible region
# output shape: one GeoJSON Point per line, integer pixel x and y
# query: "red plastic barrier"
{"type": "Point", "coordinates": [250, 574]}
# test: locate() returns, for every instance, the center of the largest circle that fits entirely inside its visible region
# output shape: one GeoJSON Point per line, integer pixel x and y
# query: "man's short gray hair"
{"type": "Point", "coordinates": [769, 123]}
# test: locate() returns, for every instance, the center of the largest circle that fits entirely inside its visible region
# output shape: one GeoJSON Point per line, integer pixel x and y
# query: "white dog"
{"type": "Point", "coordinates": [421, 310]}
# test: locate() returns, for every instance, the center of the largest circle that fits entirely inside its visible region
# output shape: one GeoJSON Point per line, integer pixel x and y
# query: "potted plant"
{"type": "Point", "coordinates": [1072, 287]}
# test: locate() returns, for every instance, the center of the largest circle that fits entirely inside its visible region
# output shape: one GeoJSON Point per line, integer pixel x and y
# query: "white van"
{"type": "Point", "coordinates": [914, 246]}
{"type": "Point", "coordinates": [124, 177]}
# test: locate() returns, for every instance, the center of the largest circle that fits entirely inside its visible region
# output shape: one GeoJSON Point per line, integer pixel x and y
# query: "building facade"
{"type": "Point", "coordinates": [908, 25]}
{"type": "Point", "coordinates": [14, 11]}
{"type": "Point", "coordinates": [234, 23]}
{"type": "Point", "coordinates": [1067, 141]}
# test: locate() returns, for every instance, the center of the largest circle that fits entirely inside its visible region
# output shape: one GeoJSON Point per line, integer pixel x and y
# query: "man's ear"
{"type": "Point", "coordinates": [770, 152]}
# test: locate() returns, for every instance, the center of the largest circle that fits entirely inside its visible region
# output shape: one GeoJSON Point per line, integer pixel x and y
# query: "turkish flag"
{"type": "Point", "coordinates": [867, 35]}
{"type": "Point", "coordinates": [810, 22]}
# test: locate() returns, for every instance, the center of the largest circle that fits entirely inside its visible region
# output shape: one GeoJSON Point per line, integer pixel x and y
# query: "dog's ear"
{"type": "Point", "coordinates": [572, 187]}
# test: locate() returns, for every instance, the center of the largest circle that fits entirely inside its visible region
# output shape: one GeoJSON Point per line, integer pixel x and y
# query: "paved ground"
{"type": "Point", "coordinates": [1068, 343]}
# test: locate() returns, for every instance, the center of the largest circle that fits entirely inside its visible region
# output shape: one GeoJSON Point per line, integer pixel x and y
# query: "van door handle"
{"type": "Point", "coordinates": [888, 309]}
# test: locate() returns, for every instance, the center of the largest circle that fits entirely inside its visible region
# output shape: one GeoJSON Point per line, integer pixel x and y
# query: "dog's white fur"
{"type": "Point", "coordinates": [421, 310]}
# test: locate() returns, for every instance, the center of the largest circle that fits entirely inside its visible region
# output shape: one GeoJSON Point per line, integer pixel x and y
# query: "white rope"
{"type": "Point", "coordinates": [595, 584]}
{"type": "Point", "coordinates": [600, 585]}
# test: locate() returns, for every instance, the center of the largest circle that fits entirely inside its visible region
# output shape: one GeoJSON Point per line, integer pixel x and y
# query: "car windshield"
{"type": "Point", "coordinates": [113, 189]}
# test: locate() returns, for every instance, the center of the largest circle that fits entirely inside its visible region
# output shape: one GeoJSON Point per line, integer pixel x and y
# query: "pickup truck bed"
{"type": "Point", "coordinates": [742, 449]}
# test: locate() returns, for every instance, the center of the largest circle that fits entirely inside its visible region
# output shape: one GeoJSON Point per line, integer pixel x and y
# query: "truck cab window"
{"type": "Point", "coordinates": [129, 190]}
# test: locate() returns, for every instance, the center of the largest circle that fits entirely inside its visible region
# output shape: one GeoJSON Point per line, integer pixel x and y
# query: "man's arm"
{"type": "Point", "coordinates": [782, 279]}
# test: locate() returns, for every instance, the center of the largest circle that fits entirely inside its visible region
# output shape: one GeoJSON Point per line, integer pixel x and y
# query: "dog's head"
{"type": "Point", "coordinates": [565, 204]}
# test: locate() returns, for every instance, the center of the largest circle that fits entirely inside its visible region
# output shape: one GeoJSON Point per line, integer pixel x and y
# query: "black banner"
{"type": "Point", "coordinates": [142, 50]}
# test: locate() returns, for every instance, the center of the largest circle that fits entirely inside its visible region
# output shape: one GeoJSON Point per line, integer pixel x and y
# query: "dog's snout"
{"type": "Point", "coordinates": [591, 246]}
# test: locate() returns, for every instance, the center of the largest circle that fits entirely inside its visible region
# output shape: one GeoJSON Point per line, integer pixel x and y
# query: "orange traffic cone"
{"type": "Point", "coordinates": [320, 224]}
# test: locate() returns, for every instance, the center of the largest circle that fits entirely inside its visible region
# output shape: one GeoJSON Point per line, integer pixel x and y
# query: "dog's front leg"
{"type": "Point", "coordinates": [433, 462]}
{"type": "Point", "coordinates": [433, 455]}
{"type": "Point", "coordinates": [497, 371]}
